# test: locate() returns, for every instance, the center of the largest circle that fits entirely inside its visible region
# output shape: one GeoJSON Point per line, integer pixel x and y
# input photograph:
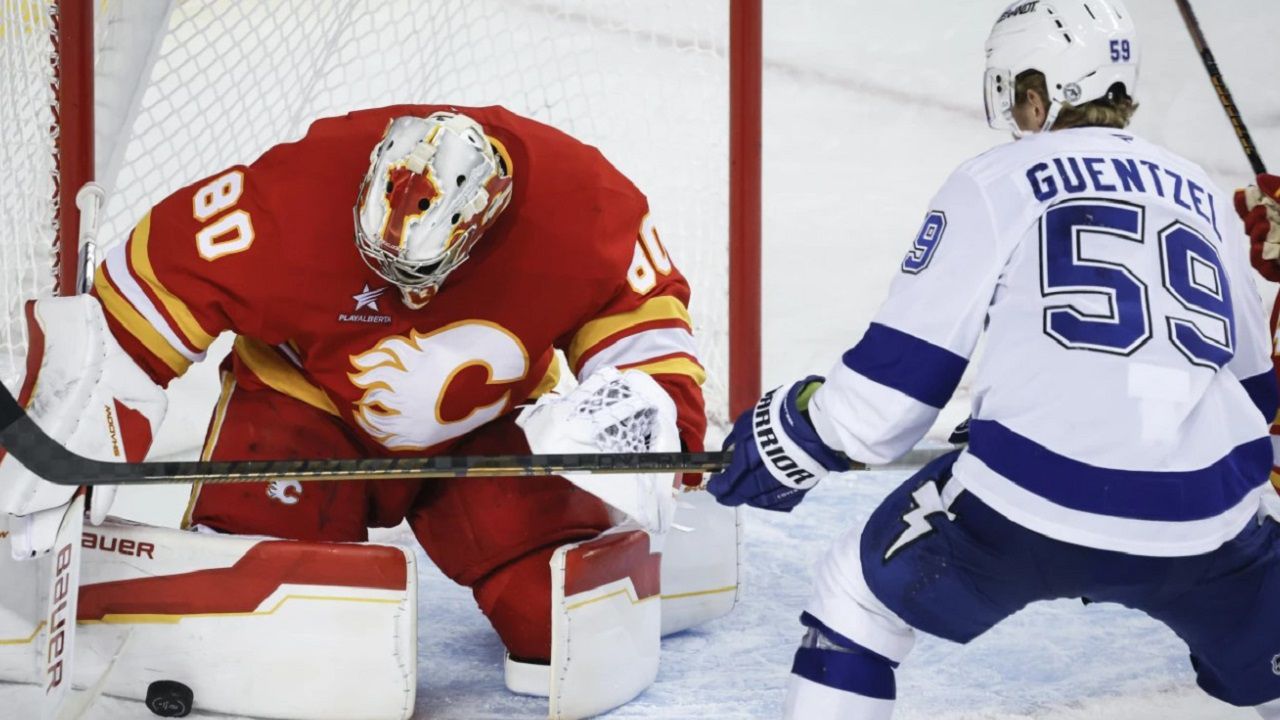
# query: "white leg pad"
{"type": "Point", "coordinates": [266, 628]}
{"type": "Point", "coordinates": [22, 587]}
{"type": "Point", "coordinates": [605, 623]}
{"type": "Point", "coordinates": [808, 700]}
{"type": "Point", "coordinates": [527, 678]}
{"type": "Point", "coordinates": [701, 560]}
{"type": "Point", "coordinates": [843, 602]}
{"type": "Point", "coordinates": [1269, 711]}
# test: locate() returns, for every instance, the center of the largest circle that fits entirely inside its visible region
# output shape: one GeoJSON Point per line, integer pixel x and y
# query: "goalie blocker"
{"type": "Point", "coordinates": [88, 395]}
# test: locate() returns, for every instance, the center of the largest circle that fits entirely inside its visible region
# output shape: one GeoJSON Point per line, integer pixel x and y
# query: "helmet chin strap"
{"type": "Point", "coordinates": [1051, 117]}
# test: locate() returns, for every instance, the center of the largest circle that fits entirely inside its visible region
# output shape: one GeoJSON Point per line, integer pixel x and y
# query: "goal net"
{"type": "Point", "coordinates": [187, 87]}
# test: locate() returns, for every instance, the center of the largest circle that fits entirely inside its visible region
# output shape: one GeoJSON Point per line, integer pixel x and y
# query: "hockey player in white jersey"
{"type": "Point", "coordinates": [1118, 443]}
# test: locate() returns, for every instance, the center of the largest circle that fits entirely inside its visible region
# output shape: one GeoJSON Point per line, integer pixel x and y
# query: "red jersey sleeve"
{"type": "Point", "coordinates": [193, 267]}
{"type": "Point", "coordinates": [645, 326]}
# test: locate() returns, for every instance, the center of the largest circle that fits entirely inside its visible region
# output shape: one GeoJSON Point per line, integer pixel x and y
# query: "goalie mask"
{"type": "Point", "coordinates": [1083, 47]}
{"type": "Point", "coordinates": [434, 185]}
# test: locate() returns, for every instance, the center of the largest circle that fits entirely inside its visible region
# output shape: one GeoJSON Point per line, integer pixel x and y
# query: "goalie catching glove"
{"type": "Point", "coordinates": [84, 391]}
{"type": "Point", "coordinates": [777, 455]}
{"type": "Point", "coordinates": [612, 412]}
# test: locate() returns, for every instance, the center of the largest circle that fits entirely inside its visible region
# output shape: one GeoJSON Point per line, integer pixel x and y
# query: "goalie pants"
{"type": "Point", "coordinates": [956, 575]}
{"type": "Point", "coordinates": [494, 535]}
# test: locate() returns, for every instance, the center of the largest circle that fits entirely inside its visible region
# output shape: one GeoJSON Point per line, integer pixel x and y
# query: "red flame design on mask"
{"type": "Point", "coordinates": [408, 189]}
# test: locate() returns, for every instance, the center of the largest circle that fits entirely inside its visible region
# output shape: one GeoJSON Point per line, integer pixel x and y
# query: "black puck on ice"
{"type": "Point", "coordinates": [169, 698]}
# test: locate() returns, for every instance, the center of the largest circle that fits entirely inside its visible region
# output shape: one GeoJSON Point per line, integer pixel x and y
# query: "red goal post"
{"type": "Point", "coordinates": [144, 97]}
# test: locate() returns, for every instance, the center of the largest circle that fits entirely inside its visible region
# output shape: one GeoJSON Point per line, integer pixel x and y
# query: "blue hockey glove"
{"type": "Point", "coordinates": [777, 455]}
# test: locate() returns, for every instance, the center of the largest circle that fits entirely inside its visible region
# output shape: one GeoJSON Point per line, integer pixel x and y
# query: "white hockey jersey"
{"type": "Point", "coordinates": [1119, 400]}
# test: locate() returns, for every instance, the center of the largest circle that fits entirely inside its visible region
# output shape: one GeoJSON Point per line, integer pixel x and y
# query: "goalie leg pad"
{"type": "Point", "coordinates": [606, 623]}
{"type": "Point", "coordinates": [701, 557]}
{"type": "Point", "coordinates": [22, 612]}
{"type": "Point", "coordinates": [274, 629]}
{"type": "Point", "coordinates": [496, 535]}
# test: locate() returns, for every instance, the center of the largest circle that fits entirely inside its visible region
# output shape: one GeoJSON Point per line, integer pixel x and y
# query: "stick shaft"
{"type": "Point", "coordinates": [41, 454]}
{"type": "Point", "coordinates": [1220, 86]}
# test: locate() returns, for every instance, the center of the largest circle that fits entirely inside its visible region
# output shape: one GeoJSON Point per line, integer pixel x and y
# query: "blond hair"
{"type": "Point", "coordinates": [1114, 111]}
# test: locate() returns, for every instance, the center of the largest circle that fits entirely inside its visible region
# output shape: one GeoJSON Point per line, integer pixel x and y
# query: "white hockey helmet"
{"type": "Point", "coordinates": [1083, 47]}
{"type": "Point", "coordinates": [434, 185]}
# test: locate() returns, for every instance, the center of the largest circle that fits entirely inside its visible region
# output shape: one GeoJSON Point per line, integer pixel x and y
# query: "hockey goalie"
{"type": "Point", "coordinates": [398, 282]}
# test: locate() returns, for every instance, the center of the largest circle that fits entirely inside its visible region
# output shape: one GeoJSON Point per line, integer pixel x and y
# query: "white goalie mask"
{"type": "Point", "coordinates": [434, 185]}
{"type": "Point", "coordinates": [1083, 48]}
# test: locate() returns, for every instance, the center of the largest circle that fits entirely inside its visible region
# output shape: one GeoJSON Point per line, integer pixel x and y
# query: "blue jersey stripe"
{"type": "Point", "coordinates": [1173, 496]}
{"type": "Point", "coordinates": [1264, 393]}
{"type": "Point", "coordinates": [906, 363]}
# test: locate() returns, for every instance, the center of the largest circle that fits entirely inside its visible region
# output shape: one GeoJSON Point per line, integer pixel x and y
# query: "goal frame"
{"type": "Point", "coordinates": [74, 38]}
{"type": "Point", "coordinates": [73, 50]}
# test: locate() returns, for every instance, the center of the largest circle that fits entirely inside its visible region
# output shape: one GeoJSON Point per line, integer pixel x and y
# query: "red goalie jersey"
{"type": "Point", "coordinates": [330, 361]}
{"type": "Point", "coordinates": [266, 251]}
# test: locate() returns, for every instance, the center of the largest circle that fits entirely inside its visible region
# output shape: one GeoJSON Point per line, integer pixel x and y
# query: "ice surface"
{"type": "Point", "coordinates": [869, 104]}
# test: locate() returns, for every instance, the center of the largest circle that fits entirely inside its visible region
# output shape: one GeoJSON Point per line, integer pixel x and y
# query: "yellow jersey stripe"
{"type": "Point", "coordinates": [219, 415]}
{"type": "Point", "coordinates": [663, 307]}
{"type": "Point", "coordinates": [549, 380]}
{"type": "Point", "coordinates": [276, 372]}
{"type": "Point", "coordinates": [140, 258]}
{"type": "Point", "coordinates": [210, 442]}
{"type": "Point", "coordinates": [672, 366]}
{"type": "Point", "coordinates": [137, 325]}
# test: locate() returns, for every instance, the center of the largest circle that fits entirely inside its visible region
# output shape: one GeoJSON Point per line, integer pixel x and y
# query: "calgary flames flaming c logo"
{"type": "Point", "coordinates": [405, 379]}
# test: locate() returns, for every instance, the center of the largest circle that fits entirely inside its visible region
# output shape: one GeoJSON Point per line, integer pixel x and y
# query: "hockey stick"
{"type": "Point", "coordinates": [41, 454]}
{"type": "Point", "coordinates": [1220, 85]}
{"type": "Point", "coordinates": [62, 596]}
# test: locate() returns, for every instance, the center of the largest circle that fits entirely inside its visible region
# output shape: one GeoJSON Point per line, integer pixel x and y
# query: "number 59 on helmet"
{"type": "Point", "coordinates": [1086, 49]}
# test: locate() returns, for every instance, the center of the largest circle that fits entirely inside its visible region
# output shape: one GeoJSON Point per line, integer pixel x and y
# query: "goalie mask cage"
{"type": "Point", "coordinates": [144, 97]}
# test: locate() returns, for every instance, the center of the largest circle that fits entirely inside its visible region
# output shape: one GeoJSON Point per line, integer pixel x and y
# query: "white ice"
{"type": "Point", "coordinates": [868, 105]}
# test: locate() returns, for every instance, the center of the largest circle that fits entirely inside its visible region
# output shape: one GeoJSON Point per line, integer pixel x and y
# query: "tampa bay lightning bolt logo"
{"type": "Point", "coordinates": [925, 501]}
{"type": "Point", "coordinates": [926, 244]}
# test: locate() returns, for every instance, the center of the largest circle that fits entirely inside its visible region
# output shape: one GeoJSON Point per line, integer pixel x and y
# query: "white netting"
{"type": "Point", "coordinates": [644, 80]}
{"type": "Point", "coordinates": [28, 134]}
{"type": "Point", "coordinates": [621, 424]}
